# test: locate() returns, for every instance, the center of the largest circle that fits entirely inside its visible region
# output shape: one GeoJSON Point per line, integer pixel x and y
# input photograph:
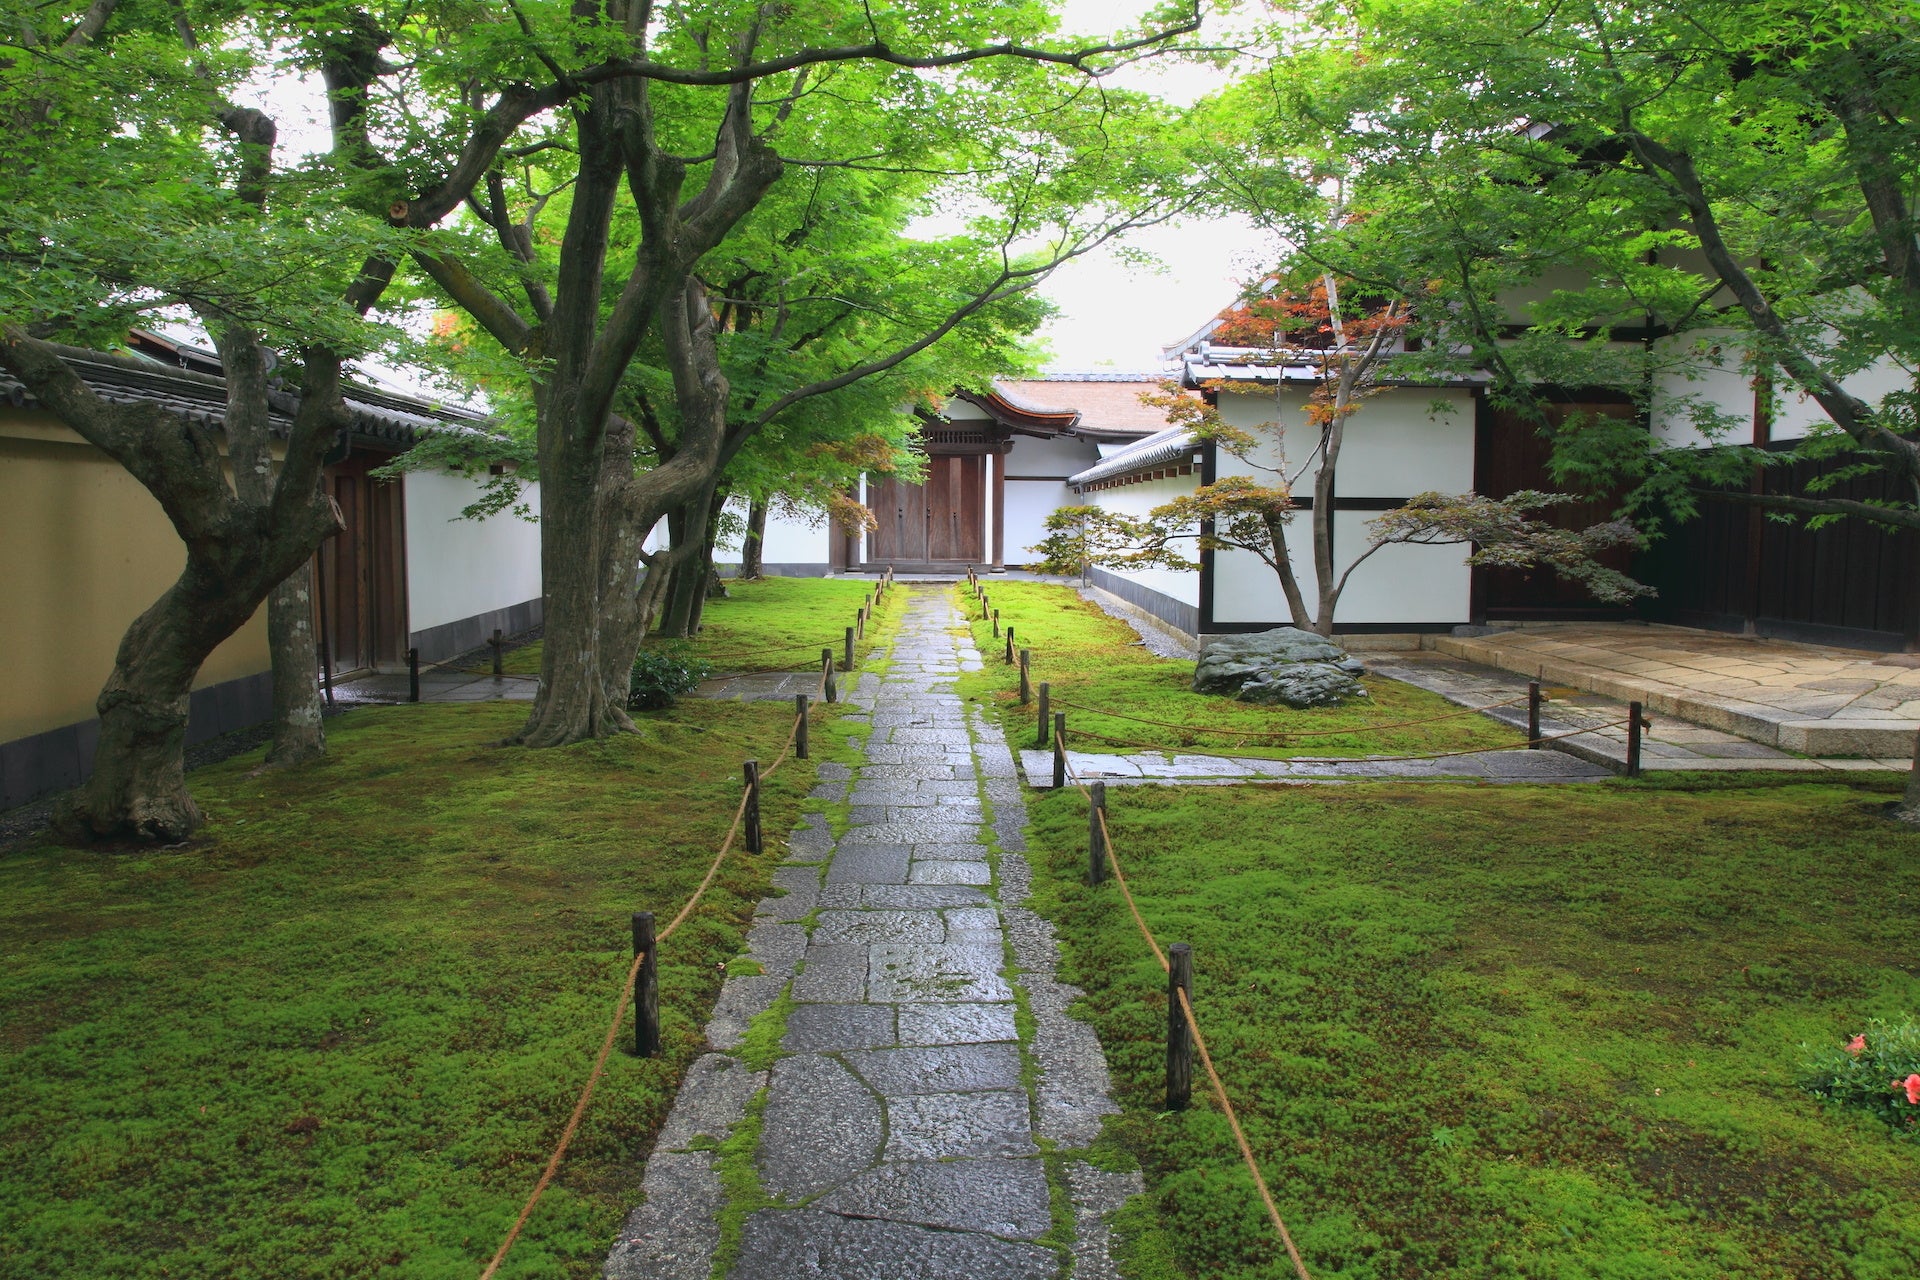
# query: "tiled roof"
{"type": "Point", "coordinates": [1208, 363]}
{"type": "Point", "coordinates": [1171, 445]}
{"type": "Point", "coordinates": [1107, 405]}
{"type": "Point", "coordinates": [378, 416]}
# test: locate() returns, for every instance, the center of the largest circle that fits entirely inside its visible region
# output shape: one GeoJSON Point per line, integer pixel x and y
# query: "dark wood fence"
{"type": "Point", "coordinates": [1851, 583]}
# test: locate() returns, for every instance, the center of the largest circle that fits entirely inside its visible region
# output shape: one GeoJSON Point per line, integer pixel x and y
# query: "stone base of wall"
{"type": "Point", "coordinates": [61, 759]}
{"type": "Point", "coordinates": [450, 638]}
{"type": "Point", "coordinates": [1178, 614]}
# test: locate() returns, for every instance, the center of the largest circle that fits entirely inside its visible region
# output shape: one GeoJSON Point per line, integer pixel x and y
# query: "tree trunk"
{"type": "Point", "coordinates": [710, 584]}
{"type": "Point", "coordinates": [688, 587]}
{"type": "Point", "coordinates": [752, 550]}
{"type": "Point", "coordinates": [1289, 581]}
{"type": "Point", "coordinates": [138, 789]}
{"type": "Point", "coordinates": [297, 732]}
{"type": "Point", "coordinates": [573, 703]}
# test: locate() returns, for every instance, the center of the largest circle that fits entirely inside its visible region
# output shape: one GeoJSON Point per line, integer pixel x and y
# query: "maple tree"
{"type": "Point", "coordinates": [1350, 349]}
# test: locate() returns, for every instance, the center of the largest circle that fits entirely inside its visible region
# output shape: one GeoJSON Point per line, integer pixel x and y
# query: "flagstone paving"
{"type": "Point", "coordinates": [901, 1137]}
{"type": "Point", "coordinates": [1812, 699]}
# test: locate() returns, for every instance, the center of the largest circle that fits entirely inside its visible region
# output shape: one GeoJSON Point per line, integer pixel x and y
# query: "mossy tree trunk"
{"type": "Point", "coordinates": [238, 550]}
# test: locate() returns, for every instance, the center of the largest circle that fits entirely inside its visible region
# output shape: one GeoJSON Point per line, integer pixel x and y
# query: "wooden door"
{"type": "Point", "coordinates": [1510, 455]}
{"type": "Point", "coordinates": [900, 511]}
{"type": "Point", "coordinates": [362, 570]}
{"type": "Point", "coordinates": [956, 493]}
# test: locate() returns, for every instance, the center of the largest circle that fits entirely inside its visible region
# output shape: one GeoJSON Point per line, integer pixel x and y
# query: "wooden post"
{"type": "Point", "coordinates": [986, 606]}
{"type": "Point", "coordinates": [1046, 687]}
{"type": "Point", "coordinates": [1026, 682]}
{"type": "Point", "coordinates": [413, 675]}
{"type": "Point", "coordinates": [1635, 722]}
{"type": "Point", "coordinates": [499, 643]}
{"type": "Point", "coordinates": [860, 624]}
{"type": "Point", "coordinates": [646, 988]}
{"type": "Point", "coordinates": [752, 770]}
{"type": "Point", "coordinates": [848, 665]}
{"type": "Point", "coordinates": [826, 668]}
{"type": "Point", "coordinates": [1533, 714]}
{"type": "Point", "coordinates": [1009, 645]}
{"type": "Point", "coordinates": [1059, 749]}
{"type": "Point", "coordinates": [800, 725]}
{"type": "Point", "coordinates": [1179, 1039]}
{"type": "Point", "coordinates": [1096, 834]}
{"type": "Point", "coordinates": [996, 622]}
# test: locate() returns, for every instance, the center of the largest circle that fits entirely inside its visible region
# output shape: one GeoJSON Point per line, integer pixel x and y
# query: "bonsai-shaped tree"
{"type": "Point", "coordinates": [1350, 347]}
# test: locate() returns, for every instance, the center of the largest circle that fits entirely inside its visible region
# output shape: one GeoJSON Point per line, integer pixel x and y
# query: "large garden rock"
{"type": "Point", "coordinates": [1284, 665]}
{"type": "Point", "coordinates": [1304, 684]}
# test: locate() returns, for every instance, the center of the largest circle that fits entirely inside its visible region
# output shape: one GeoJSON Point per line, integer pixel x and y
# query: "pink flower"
{"type": "Point", "coordinates": [1857, 1045]}
{"type": "Point", "coordinates": [1912, 1084]}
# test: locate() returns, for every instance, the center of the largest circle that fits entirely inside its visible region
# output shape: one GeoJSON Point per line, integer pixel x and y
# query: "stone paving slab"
{"type": "Point", "coordinates": [900, 1136]}
{"type": "Point", "coordinates": [809, 1245]}
{"type": "Point", "coordinates": [1181, 767]}
{"type": "Point", "coordinates": [1669, 742]}
{"type": "Point", "coordinates": [1809, 699]}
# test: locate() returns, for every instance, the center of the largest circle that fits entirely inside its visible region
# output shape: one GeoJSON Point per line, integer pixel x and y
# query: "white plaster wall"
{"type": "Point", "coordinates": [790, 539]}
{"type": "Point", "coordinates": [1029, 503]}
{"type": "Point", "coordinates": [1401, 442]}
{"type": "Point", "coordinates": [1798, 413]}
{"type": "Point", "coordinates": [457, 568]}
{"type": "Point", "coordinates": [1401, 584]}
{"type": "Point", "coordinates": [958, 410]}
{"type": "Point", "coordinates": [1137, 500]}
{"type": "Point", "coordinates": [1057, 457]}
{"type": "Point", "coordinates": [1702, 367]}
{"type": "Point", "coordinates": [1404, 441]}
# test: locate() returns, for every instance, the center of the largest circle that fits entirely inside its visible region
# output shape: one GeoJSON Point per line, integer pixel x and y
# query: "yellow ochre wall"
{"type": "Point", "coordinates": [84, 549]}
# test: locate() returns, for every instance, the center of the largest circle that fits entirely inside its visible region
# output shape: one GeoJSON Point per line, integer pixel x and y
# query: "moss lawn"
{"type": "Point", "coordinates": [338, 1034]}
{"type": "Point", "coordinates": [1093, 660]}
{"type": "Point", "coordinates": [1485, 1031]}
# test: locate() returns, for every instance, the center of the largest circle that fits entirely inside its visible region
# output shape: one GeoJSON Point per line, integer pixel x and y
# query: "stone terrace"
{"type": "Point", "coordinates": [1804, 698]}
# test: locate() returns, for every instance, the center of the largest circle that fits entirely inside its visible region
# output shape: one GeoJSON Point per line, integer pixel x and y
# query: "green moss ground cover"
{"type": "Point", "coordinates": [1507, 1031]}
{"type": "Point", "coordinates": [1095, 660]}
{"type": "Point", "coordinates": [338, 1035]}
{"type": "Point", "coordinates": [771, 624]}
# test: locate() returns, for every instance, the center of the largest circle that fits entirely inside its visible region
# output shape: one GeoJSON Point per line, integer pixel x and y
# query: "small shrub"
{"type": "Point", "coordinates": [662, 673]}
{"type": "Point", "coordinates": [1877, 1071]}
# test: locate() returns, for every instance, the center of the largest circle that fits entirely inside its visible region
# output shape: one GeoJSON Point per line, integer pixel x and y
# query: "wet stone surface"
{"type": "Point", "coordinates": [900, 1136]}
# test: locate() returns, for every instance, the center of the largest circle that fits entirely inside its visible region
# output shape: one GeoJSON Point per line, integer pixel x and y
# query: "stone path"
{"type": "Point", "coordinates": [1509, 765]}
{"type": "Point", "coordinates": [902, 1136]}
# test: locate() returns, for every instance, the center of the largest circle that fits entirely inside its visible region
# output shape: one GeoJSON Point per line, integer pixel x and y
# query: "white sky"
{"type": "Point", "coordinates": [1115, 315]}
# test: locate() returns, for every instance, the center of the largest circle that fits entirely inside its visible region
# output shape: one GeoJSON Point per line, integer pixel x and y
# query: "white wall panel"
{"type": "Point", "coordinates": [457, 568]}
{"type": "Point", "coordinates": [1400, 584]}
{"type": "Point", "coordinates": [1137, 500]}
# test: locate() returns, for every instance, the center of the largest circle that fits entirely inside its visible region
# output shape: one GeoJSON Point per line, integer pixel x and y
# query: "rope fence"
{"type": "Point", "coordinates": [1288, 733]}
{"type": "Point", "coordinates": [1178, 994]}
{"type": "Point", "coordinates": [646, 946]}
{"type": "Point", "coordinates": [1635, 721]}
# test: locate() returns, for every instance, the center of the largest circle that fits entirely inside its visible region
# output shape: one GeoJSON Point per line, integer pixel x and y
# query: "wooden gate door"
{"type": "Point", "coordinates": [901, 512]}
{"type": "Point", "coordinates": [363, 570]}
{"type": "Point", "coordinates": [1512, 455]}
{"type": "Point", "coordinates": [956, 490]}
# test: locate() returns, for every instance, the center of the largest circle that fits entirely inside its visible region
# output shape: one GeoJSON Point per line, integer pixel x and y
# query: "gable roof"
{"type": "Point", "coordinates": [1108, 405]}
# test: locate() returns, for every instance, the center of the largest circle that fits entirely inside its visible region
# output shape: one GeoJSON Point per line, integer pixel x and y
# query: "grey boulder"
{"type": "Point", "coordinates": [1304, 684]}
{"type": "Point", "coordinates": [1284, 665]}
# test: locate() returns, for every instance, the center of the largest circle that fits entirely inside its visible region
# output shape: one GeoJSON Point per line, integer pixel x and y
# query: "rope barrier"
{"type": "Point", "coordinates": [1199, 1041]}
{"type": "Point", "coordinates": [1437, 755]}
{"type": "Point", "coordinates": [1288, 733]}
{"type": "Point", "coordinates": [624, 1002]}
